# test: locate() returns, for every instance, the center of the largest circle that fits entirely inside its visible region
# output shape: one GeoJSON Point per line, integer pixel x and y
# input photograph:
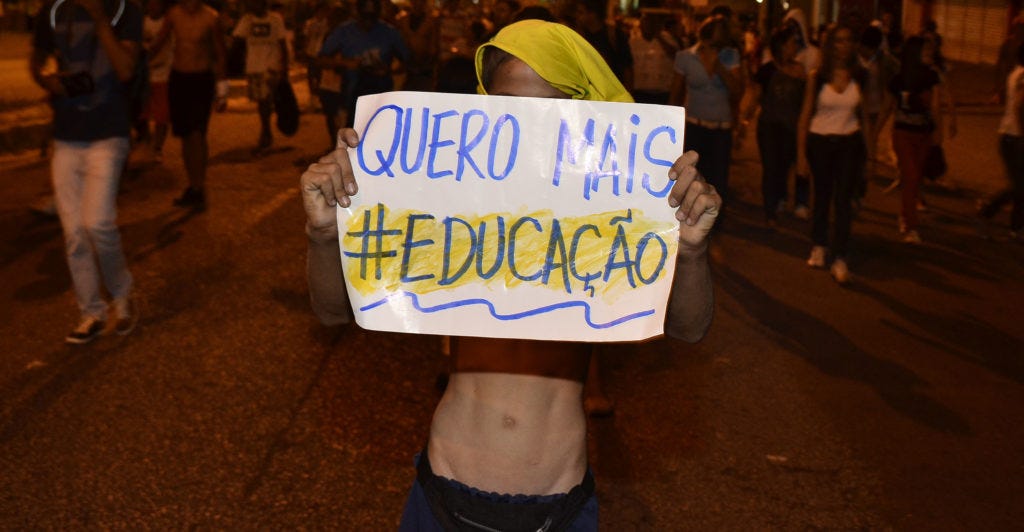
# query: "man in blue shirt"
{"type": "Point", "coordinates": [96, 45]}
{"type": "Point", "coordinates": [365, 48]}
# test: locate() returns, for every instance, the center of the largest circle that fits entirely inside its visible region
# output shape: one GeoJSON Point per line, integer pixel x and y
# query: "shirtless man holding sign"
{"type": "Point", "coordinates": [511, 420]}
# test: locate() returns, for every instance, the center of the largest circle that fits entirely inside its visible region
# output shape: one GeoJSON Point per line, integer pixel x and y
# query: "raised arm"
{"type": "Point", "coordinates": [697, 203]}
{"type": "Point", "coordinates": [122, 53]}
{"type": "Point", "coordinates": [325, 185]}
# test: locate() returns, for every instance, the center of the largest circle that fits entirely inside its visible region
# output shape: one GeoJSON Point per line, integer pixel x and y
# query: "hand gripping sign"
{"type": "Point", "coordinates": [511, 217]}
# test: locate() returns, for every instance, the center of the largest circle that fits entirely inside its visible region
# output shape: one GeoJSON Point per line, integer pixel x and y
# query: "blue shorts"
{"type": "Point", "coordinates": [466, 508]}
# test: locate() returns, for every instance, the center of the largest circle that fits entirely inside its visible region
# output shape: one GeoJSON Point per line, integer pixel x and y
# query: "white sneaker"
{"type": "Point", "coordinates": [817, 258]}
{"type": "Point", "coordinates": [802, 212]}
{"type": "Point", "coordinates": [840, 272]}
{"type": "Point", "coordinates": [912, 237]}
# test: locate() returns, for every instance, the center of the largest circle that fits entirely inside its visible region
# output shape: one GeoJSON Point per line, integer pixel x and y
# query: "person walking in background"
{"type": "Point", "coordinates": [707, 76]}
{"type": "Point", "coordinates": [1007, 60]}
{"type": "Point", "coordinates": [266, 62]}
{"type": "Point", "coordinates": [1011, 148]}
{"type": "Point", "coordinates": [96, 52]}
{"type": "Point", "coordinates": [830, 143]}
{"type": "Point", "coordinates": [329, 89]}
{"type": "Point", "coordinates": [314, 31]}
{"type": "Point", "coordinates": [654, 50]}
{"type": "Point", "coordinates": [365, 48]}
{"type": "Point", "coordinates": [917, 126]}
{"type": "Point", "coordinates": [879, 68]}
{"type": "Point", "coordinates": [612, 44]}
{"type": "Point", "coordinates": [778, 90]}
{"type": "Point", "coordinates": [419, 28]}
{"type": "Point", "coordinates": [197, 64]}
{"type": "Point", "coordinates": [157, 109]}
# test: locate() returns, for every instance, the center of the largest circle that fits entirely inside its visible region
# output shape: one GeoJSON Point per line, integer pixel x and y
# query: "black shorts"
{"type": "Point", "coordinates": [190, 95]}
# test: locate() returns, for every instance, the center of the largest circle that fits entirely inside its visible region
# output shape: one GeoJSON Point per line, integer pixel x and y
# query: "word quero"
{"type": "Point", "coordinates": [472, 144]}
{"type": "Point", "coordinates": [594, 254]}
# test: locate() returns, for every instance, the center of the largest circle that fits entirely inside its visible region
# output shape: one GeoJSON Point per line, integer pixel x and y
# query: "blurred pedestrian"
{"type": "Point", "coordinates": [157, 109]}
{"type": "Point", "coordinates": [266, 62]}
{"type": "Point", "coordinates": [879, 68]}
{"type": "Point", "coordinates": [197, 65]}
{"type": "Point", "coordinates": [1007, 60]}
{"type": "Point", "coordinates": [917, 125]}
{"type": "Point", "coordinates": [612, 44]}
{"type": "Point", "coordinates": [314, 31]}
{"type": "Point", "coordinates": [96, 47]}
{"type": "Point", "coordinates": [419, 27]}
{"type": "Point", "coordinates": [329, 89]}
{"type": "Point", "coordinates": [778, 91]}
{"type": "Point", "coordinates": [367, 47]}
{"type": "Point", "coordinates": [830, 143]}
{"type": "Point", "coordinates": [1011, 148]}
{"type": "Point", "coordinates": [707, 78]}
{"type": "Point", "coordinates": [654, 50]}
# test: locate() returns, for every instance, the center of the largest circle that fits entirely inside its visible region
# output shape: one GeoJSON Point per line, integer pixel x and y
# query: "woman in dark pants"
{"type": "Point", "coordinates": [708, 79]}
{"type": "Point", "coordinates": [778, 90]}
{"type": "Point", "coordinates": [830, 142]}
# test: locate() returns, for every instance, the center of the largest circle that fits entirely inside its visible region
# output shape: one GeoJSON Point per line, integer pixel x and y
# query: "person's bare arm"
{"type": "Point", "coordinates": [49, 82]}
{"type": "Point", "coordinates": [166, 31]}
{"type": "Point", "coordinates": [677, 94]}
{"type": "Point", "coordinates": [122, 54]}
{"type": "Point", "coordinates": [691, 302]}
{"type": "Point", "coordinates": [325, 185]}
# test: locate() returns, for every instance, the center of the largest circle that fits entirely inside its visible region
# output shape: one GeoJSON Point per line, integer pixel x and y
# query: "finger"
{"type": "Point", "coordinates": [698, 198]}
{"type": "Point", "coordinates": [689, 158]}
{"type": "Point", "coordinates": [687, 176]}
{"type": "Point", "coordinates": [347, 138]}
{"type": "Point", "coordinates": [318, 181]}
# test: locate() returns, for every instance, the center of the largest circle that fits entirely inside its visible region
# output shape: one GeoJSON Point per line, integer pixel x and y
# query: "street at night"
{"type": "Point", "coordinates": [896, 402]}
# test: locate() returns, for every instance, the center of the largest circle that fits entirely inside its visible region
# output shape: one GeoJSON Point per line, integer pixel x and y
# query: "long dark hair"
{"type": "Point", "coordinates": [830, 62]}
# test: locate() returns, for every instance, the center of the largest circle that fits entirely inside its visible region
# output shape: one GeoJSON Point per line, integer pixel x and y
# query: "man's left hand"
{"type": "Point", "coordinates": [697, 203]}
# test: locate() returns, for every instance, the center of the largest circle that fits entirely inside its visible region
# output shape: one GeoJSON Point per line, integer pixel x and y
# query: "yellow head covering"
{"type": "Point", "coordinates": [562, 58]}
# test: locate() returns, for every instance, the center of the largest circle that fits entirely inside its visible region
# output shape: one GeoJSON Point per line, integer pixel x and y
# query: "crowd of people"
{"type": "Point", "coordinates": [507, 443]}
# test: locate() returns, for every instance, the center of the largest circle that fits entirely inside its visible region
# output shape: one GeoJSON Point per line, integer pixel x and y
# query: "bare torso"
{"type": "Point", "coordinates": [194, 34]}
{"type": "Point", "coordinates": [511, 419]}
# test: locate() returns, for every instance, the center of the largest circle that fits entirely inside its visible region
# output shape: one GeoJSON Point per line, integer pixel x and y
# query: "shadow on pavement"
{"type": "Point", "coordinates": [825, 348]}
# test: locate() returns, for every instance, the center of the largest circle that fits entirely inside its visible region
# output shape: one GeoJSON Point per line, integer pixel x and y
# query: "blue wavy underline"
{"type": "Point", "coordinates": [509, 317]}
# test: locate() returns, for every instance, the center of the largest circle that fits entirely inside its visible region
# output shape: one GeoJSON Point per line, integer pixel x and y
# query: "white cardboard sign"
{"type": "Point", "coordinates": [511, 217]}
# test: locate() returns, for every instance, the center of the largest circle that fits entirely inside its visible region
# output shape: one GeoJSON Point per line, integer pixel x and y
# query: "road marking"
{"type": "Point", "coordinates": [261, 212]}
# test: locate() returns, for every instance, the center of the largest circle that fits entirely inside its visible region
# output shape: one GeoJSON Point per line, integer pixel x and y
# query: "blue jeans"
{"type": "Point", "coordinates": [85, 181]}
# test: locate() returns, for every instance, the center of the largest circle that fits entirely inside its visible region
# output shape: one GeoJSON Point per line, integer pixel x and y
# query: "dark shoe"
{"type": "Point", "coordinates": [125, 316]}
{"type": "Point", "coordinates": [87, 330]}
{"type": "Point", "coordinates": [191, 198]}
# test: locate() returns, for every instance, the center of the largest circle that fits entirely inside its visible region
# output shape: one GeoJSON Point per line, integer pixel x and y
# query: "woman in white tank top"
{"type": "Point", "coordinates": [831, 144]}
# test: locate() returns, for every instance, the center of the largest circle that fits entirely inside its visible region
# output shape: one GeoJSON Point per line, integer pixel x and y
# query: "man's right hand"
{"type": "Point", "coordinates": [327, 184]}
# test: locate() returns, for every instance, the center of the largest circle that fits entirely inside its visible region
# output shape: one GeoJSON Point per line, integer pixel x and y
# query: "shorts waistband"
{"type": "Point", "coordinates": [459, 507]}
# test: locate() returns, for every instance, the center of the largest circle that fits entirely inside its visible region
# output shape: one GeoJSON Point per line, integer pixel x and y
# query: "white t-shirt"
{"type": "Point", "coordinates": [159, 64]}
{"type": "Point", "coordinates": [836, 112]}
{"type": "Point", "coordinates": [263, 36]}
{"type": "Point", "coordinates": [1009, 125]}
{"type": "Point", "coordinates": [653, 68]}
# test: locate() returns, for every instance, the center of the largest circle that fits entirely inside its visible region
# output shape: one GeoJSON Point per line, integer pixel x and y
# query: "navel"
{"type": "Point", "coordinates": [508, 422]}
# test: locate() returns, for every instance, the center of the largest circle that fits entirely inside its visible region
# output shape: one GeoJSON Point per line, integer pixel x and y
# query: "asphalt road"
{"type": "Point", "coordinates": [896, 403]}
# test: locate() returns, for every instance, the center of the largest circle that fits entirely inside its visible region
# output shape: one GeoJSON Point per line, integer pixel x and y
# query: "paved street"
{"type": "Point", "coordinates": [895, 403]}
